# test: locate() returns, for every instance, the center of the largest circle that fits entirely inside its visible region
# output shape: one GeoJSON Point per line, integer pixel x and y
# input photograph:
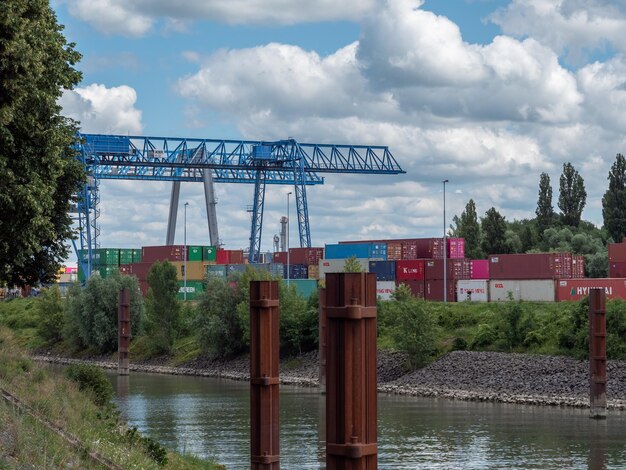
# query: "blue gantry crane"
{"type": "Point", "coordinates": [213, 161]}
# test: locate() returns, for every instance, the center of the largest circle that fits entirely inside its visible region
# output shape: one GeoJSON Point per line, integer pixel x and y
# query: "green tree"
{"type": "Point", "coordinates": [467, 227]}
{"type": "Point", "coordinates": [493, 228]}
{"type": "Point", "coordinates": [614, 200]}
{"type": "Point", "coordinates": [51, 314]}
{"type": "Point", "coordinates": [38, 172]}
{"type": "Point", "coordinates": [162, 307]}
{"type": "Point", "coordinates": [544, 211]}
{"type": "Point", "coordinates": [572, 196]}
{"type": "Point", "coordinates": [352, 265]}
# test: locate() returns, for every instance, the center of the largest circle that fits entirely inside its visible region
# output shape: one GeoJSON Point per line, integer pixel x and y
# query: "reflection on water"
{"type": "Point", "coordinates": [210, 418]}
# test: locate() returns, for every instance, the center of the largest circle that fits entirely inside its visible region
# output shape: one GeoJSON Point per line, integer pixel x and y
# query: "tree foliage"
{"type": "Point", "coordinates": [162, 307]}
{"type": "Point", "coordinates": [572, 196]}
{"type": "Point", "coordinates": [38, 174]}
{"type": "Point", "coordinates": [467, 227]}
{"type": "Point", "coordinates": [494, 228]}
{"type": "Point", "coordinates": [352, 265]}
{"type": "Point", "coordinates": [51, 312]}
{"type": "Point", "coordinates": [544, 211]}
{"type": "Point", "coordinates": [614, 200]}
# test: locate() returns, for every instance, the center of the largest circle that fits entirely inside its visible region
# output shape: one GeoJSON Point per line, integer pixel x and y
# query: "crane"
{"type": "Point", "coordinates": [210, 161]}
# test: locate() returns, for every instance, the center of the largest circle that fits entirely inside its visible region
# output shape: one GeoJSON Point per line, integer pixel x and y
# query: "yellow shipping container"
{"type": "Point", "coordinates": [195, 270]}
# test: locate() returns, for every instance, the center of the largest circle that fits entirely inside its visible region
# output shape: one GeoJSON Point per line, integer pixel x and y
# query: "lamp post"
{"type": "Point", "coordinates": [445, 247]}
{"type": "Point", "coordinates": [185, 255]}
{"type": "Point", "coordinates": [288, 194]}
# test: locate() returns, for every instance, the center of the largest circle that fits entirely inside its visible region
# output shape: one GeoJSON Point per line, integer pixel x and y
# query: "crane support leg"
{"type": "Point", "coordinates": [211, 203]}
{"type": "Point", "coordinates": [171, 220]}
{"type": "Point", "coordinates": [257, 217]}
{"type": "Point", "coordinates": [302, 206]}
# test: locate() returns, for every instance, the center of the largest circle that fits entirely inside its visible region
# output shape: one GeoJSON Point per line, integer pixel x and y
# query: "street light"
{"type": "Point", "coordinates": [288, 194]}
{"type": "Point", "coordinates": [445, 247]}
{"type": "Point", "coordinates": [185, 254]}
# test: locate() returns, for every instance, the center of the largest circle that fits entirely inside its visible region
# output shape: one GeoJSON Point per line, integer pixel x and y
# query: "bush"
{"type": "Point", "coordinates": [485, 336]}
{"type": "Point", "coordinates": [51, 313]}
{"type": "Point", "coordinates": [92, 380]}
{"type": "Point", "coordinates": [162, 307]}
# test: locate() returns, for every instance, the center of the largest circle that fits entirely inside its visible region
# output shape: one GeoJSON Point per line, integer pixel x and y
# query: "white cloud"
{"type": "Point", "coordinates": [103, 110]}
{"type": "Point", "coordinates": [111, 16]}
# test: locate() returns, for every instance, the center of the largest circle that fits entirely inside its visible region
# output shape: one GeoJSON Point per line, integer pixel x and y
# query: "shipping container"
{"type": "Point", "coordinates": [296, 271]}
{"type": "Point", "coordinates": [281, 257]}
{"type": "Point", "coordinates": [409, 250]}
{"type": "Point", "coordinates": [456, 248]}
{"type": "Point", "coordinates": [70, 270]}
{"type": "Point", "coordinates": [235, 257]}
{"type": "Point", "coordinates": [531, 266]}
{"type": "Point", "coordinates": [617, 269]}
{"type": "Point", "coordinates": [194, 289]}
{"type": "Point", "coordinates": [479, 269]}
{"type": "Point", "coordinates": [429, 248]}
{"type": "Point", "coordinates": [394, 250]}
{"type": "Point", "coordinates": [617, 252]}
{"type": "Point", "coordinates": [472, 290]}
{"type": "Point", "coordinates": [137, 255]}
{"type": "Point", "coordinates": [232, 269]}
{"type": "Point", "coordinates": [109, 256]}
{"type": "Point", "coordinates": [308, 256]}
{"type": "Point", "coordinates": [337, 265]}
{"type": "Point", "coordinates": [140, 270]}
{"type": "Point", "coordinates": [455, 269]}
{"type": "Point", "coordinates": [196, 270]}
{"type": "Point", "coordinates": [151, 254]}
{"type": "Point", "coordinates": [81, 274]}
{"type": "Point", "coordinates": [433, 290]}
{"type": "Point", "coordinates": [416, 286]}
{"type": "Point", "coordinates": [106, 271]}
{"type": "Point", "coordinates": [314, 272]}
{"type": "Point", "coordinates": [358, 250]}
{"type": "Point", "coordinates": [67, 278]}
{"type": "Point", "coordinates": [126, 256]}
{"type": "Point", "coordinates": [384, 289]}
{"type": "Point", "coordinates": [304, 287]}
{"type": "Point", "coordinates": [194, 253]}
{"type": "Point", "coordinates": [531, 290]}
{"type": "Point", "coordinates": [578, 267]}
{"type": "Point", "coordinates": [410, 269]}
{"type": "Point", "coordinates": [216, 270]}
{"type": "Point", "coordinates": [125, 269]}
{"type": "Point", "coordinates": [384, 270]}
{"type": "Point", "coordinates": [221, 256]}
{"type": "Point", "coordinates": [276, 269]}
{"type": "Point", "coordinates": [576, 289]}
{"type": "Point", "coordinates": [209, 253]}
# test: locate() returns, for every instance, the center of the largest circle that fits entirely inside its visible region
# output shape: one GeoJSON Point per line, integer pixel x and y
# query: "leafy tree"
{"type": "Point", "coordinates": [352, 265]}
{"type": "Point", "coordinates": [298, 321]}
{"type": "Point", "coordinates": [39, 173]}
{"type": "Point", "coordinates": [467, 227]}
{"type": "Point", "coordinates": [614, 200]}
{"type": "Point", "coordinates": [513, 242]}
{"type": "Point", "coordinates": [597, 264]}
{"type": "Point", "coordinates": [51, 314]}
{"type": "Point", "coordinates": [544, 211]}
{"type": "Point", "coordinates": [493, 227]}
{"type": "Point", "coordinates": [572, 196]}
{"type": "Point", "coordinates": [162, 307]}
{"type": "Point", "coordinates": [528, 237]}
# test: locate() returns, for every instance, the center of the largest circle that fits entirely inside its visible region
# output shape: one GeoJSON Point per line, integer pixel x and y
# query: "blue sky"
{"type": "Point", "coordinates": [487, 94]}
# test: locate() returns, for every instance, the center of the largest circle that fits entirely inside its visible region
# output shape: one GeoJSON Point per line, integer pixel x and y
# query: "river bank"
{"type": "Point", "coordinates": [459, 375]}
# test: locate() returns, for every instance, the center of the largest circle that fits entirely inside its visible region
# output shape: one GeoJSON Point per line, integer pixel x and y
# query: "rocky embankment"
{"type": "Point", "coordinates": [459, 375]}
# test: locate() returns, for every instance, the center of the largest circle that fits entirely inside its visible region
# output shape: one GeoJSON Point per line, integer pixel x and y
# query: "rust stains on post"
{"type": "Point", "coordinates": [597, 353]}
{"type": "Point", "coordinates": [264, 363]}
{"type": "Point", "coordinates": [351, 401]}
{"type": "Point", "coordinates": [322, 340]}
{"type": "Point", "coordinates": [123, 331]}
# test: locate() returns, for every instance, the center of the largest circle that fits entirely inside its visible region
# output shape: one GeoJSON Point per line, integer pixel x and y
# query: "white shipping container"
{"type": "Point", "coordinates": [384, 289]}
{"type": "Point", "coordinates": [336, 266]}
{"type": "Point", "coordinates": [537, 290]}
{"type": "Point", "coordinates": [475, 290]}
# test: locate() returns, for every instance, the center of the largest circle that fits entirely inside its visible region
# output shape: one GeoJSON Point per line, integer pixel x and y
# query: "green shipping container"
{"type": "Point", "coordinates": [109, 256]}
{"type": "Point", "coordinates": [194, 289]}
{"type": "Point", "coordinates": [209, 253]}
{"type": "Point", "coordinates": [194, 253]}
{"type": "Point", "coordinates": [81, 273]}
{"type": "Point", "coordinates": [126, 256]}
{"type": "Point", "coordinates": [137, 256]}
{"type": "Point", "coordinates": [304, 287]}
{"type": "Point", "coordinates": [106, 271]}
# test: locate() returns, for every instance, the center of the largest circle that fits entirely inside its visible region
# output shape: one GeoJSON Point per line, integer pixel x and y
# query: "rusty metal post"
{"type": "Point", "coordinates": [322, 340]}
{"type": "Point", "coordinates": [597, 353]}
{"type": "Point", "coordinates": [264, 363]}
{"type": "Point", "coordinates": [123, 331]}
{"type": "Point", "coordinates": [351, 401]}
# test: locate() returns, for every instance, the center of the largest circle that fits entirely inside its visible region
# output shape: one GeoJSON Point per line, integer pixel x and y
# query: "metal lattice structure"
{"type": "Point", "coordinates": [284, 162]}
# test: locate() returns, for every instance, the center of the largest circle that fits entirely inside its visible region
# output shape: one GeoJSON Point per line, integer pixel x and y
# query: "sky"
{"type": "Point", "coordinates": [487, 94]}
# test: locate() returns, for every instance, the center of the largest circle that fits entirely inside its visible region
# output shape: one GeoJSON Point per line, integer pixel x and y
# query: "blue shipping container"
{"type": "Point", "coordinates": [304, 287]}
{"type": "Point", "coordinates": [385, 270]}
{"type": "Point", "coordinates": [276, 269]}
{"type": "Point", "coordinates": [360, 250]}
{"type": "Point", "coordinates": [297, 271]}
{"type": "Point", "coordinates": [235, 268]}
{"type": "Point", "coordinates": [378, 251]}
{"type": "Point", "coordinates": [217, 270]}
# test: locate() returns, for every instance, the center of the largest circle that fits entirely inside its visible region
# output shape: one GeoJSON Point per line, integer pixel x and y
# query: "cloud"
{"type": "Point", "coordinates": [111, 16]}
{"type": "Point", "coordinates": [575, 27]}
{"type": "Point", "coordinates": [103, 110]}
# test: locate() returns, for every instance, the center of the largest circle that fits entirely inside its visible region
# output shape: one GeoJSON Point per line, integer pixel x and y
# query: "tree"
{"type": "Point", "coordinates": [467, 227]}
{"type": "Point", "coordinates": [572, 196]}
{"type": "Point", "coordinates": [493, 227]}
{"type": "Point", "coordinates": [352, 265]}
{"type": "Point", "coordinates": [38, 172]}
{"type": "Point", "coordinates": [614, 200]}
{"type": "Point", "coordinates": [544, 211]}
{"type": "Point", "coordinates": [162, 307]}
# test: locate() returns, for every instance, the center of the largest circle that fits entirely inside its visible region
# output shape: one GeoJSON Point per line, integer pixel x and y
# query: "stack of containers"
{"type": "Point", "coordinates": [412, 274]}
{"type": "Point", "coordinates": [476, 288]}
{"type": "Point", "coordinates": [578, 267]}
{"type": "Point", "coordinates": [108, 261]}
{"type": "Point", "coordinates": [456, 269]}
{"type": "Point", "coordinates": [617, 260]}
{"type": "Point", "coordinates": [303, 262]}
{"type": "Point", "coordinates": [576, 289]}
{"type": "Point", "coordinates": [385, 277]}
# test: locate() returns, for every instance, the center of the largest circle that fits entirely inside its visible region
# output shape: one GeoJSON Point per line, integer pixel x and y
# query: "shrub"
{"type": "Point", "coordinates": [51, 313]}
{"type": "Point", "coordinates": [92, 380]}
{"type": "Point", "coordinates": [162, 307]}
{"type": "Point", "coordinates": [485, 336]}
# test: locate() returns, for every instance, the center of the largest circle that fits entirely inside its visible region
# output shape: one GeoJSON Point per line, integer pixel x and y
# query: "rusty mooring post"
{"type": "Point", "coordinates": [597, 353]}
{"type": "Point", "coordinates": [123, 331]}
{"type": "Point", "coordinates": [264, 349]}
{"type": "Point", "coordinates": [351, 402]}
{"type": "Point", "coordinates": [322, 340]}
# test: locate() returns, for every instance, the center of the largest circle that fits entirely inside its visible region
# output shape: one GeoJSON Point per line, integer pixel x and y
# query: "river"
{"type": "Point", "coordinates": [210, 418]}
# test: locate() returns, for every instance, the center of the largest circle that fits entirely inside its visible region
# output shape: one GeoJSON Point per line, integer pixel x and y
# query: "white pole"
{"type": "Point", "coordinates": [445, 247]}
{"type": "Point", "coordinates": [185, 258]}
{"type": "Point", "coordinates": [288, 194]}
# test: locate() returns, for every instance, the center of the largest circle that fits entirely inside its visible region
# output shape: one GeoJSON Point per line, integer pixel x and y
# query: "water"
{"type": "Point", "coordinates": [210, 418]}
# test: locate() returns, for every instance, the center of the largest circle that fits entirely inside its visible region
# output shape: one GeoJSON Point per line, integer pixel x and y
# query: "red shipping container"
{"type": "Point", "coordinates": [410, 269]}
{"type": "Point", "coordinates": [416, 286]}
{"type": "Point", "coordinates": [143, 287]}
{"type": "Point", "coordinates": [431, 248]}
{"type": "Point", "coordinates": [307, 256]}
{"type": "Point", "coordinates": [281, 257]}
{"type": "Point", "coordinates": [617, 252]}
{"type": "Point", "coordinates": [409, 249]}
{"type": "Point", "coordinates": [125, 268]}
{"type": "Point", "coordinates": [221, 257]}
{"type": "Point", "coordinates": [578, 267]}
{"type": "Point", "coordinates": [456, 247]}
{"type": "Point", "coordinates": [531, 266]}
{"type": "Point", "coordinates": [235, 256]}
{"type": "Point", "coordinates": [140, 270]}
{"type": "Point", "coordinates": [70, 270]}
{"type": "Point", "coordinates": [455, 269]}
{"type": "Point", "coordinates": [576, 289]}
{"type": "Point", "coordinates": [479, 269]}
{"type": "Point", "coordinates": [150, 254]}
{"type": "Point", "coordinates": [617, 269]}
{"type": "Point", "coordinates": [433, 290]}
{"type": "Point", "coordinates": [394, 250]}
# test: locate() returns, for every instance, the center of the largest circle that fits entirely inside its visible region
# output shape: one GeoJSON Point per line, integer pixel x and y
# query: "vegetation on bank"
{"type": "Point", "coordinates": [80, 406]}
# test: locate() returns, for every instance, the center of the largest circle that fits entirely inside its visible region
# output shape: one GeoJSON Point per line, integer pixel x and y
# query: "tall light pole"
{"type": "Point", "coordinates": [185, 254]}
{"type": "Point", "coordinates": [445, 247]}
{"type": "Point", "coordinates": [288, 194]}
